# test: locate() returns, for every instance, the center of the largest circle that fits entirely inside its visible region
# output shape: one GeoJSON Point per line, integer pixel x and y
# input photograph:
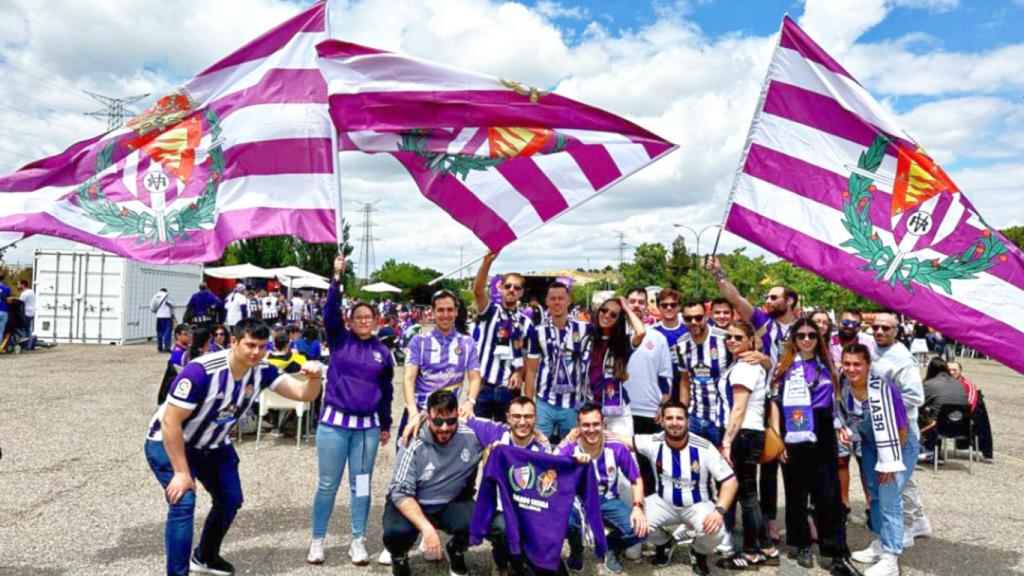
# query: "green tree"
{"type": "Point", "coordinates": [412, 279]}
{"type": "Point", "coordinates": [1015, 234]}
{"type": "Point", "coordinates": [280, 251]}
{"type": "Point", "coordinates": [648, 268]}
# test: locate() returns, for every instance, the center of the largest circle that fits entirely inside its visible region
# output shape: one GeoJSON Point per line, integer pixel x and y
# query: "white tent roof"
{"type": "Point", "coordinates": [300, 283]}
{"type": "Point", "coordinates": [381, 287]}
{"type": "Point", "coordinates": [239, 272]}
{"type": "Point", "coordinates": [293, 272]}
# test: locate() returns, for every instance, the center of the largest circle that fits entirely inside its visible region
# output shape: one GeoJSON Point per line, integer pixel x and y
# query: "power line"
{"type": "Point", "coordinates": [26, 112]}
{"type": "Point", "coordinates": [38, 101]}
{"type": "Point", "coordinates": [5, 62]}
{"type": "Point", "coordinates": [7, 129]}
{"type": "Point", "coordinates": [116, 110]}
{"type": "Point", "coordinates": [17, 153]}
{"type": "Point", "coordinates": [366, 255]}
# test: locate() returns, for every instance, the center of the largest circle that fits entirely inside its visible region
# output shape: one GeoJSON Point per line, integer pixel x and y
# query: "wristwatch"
{"type": "Point", "coordinates": [638, 504]}
{"type": "Point", "coordinates": [720, 510]}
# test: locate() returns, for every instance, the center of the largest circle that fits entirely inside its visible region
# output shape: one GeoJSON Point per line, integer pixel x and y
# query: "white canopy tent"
{"type": "Point", "coordinates": [381, 287]}
{"type": "Point", "coordinates": [293, 272]}
{"type": "Point", "coordinates": [300, 283]}
{"type": "Point", "coordinates": [239, 272]}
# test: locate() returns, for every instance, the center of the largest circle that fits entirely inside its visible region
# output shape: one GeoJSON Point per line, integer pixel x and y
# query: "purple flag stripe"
{"type": "Point", "coordinates": [346, 144]}
{"type": "Point", "coordinates": [443, 109]}
{"type": "Point", "coordinates": [311, 20]}
{"type": "Point", "coordinates": [459, 202]}
{"type": "Point", "coordinates": [265, 157]}
{"type": "Point", "coordinates": [65, 169]}
{"type": "Point", "coordinates": [278, 86]}
{"type": "Point", "coordinates": [474, 145]}
{"type": "Point", "coordinates": [56, 161]}
{"type": "Point", "coordinates": [312, 225]}
{"type": "Point", "coordinates": [987, 334]}
{"type": "Point", "coordinates": [821, 113]}
{"type": "Point", "coordinates": [654, 148]}
{"type": "Point", "coordinates": [530, 181]}
{"type": "Point", "coordinates": [341, 49]}
{"type": "Point", "coordinates": [826, 188]}
{"type": "Point", "coordinates": [796, 39]}
{"type": "Point", "coordinates": [597, 164]}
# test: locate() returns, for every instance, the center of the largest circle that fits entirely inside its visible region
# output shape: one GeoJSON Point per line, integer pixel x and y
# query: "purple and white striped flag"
{"type": "Point", "coordinates": [220, 159]}
{"type": "Point", "coordinates": [501, 158]}
{"type": "Point", "coordinates": [831, 181]}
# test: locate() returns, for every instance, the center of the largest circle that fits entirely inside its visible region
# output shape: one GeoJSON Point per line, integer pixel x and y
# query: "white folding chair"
{"type": "Point", "coordinates": [270, 400]}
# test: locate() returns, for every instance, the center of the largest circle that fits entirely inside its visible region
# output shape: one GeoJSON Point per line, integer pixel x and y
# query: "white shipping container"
{"type": "Point", "coordinates": [88, 296]}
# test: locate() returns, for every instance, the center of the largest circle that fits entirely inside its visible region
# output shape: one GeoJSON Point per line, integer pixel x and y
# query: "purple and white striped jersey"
{"type": "Point", "coordinates": [563, 354]}
{"type": "Point", "coordinates": [499, 335]}
{"type": "Point", "coordinates": [773, 339]}
{"type": "Point", "coordinates": [684, 477]}
{"type": "Point", "coordinates": [334, 417]}
{"type": "Point", "coordinates": [615, 460]}
{"type": "Point", "coordinates": [704, 363]}
{"type": "Point", "coordinates": [443, 361]}
{"type": "Point", "coordinates": [216, 400]}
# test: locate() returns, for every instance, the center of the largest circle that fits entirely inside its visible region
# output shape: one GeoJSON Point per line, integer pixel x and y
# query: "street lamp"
{"type": "Point", "coordinates": [696, 256]}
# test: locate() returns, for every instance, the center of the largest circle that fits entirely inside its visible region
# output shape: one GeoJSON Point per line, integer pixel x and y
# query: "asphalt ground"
{"type": "Point", "coordinates": [77, 497]}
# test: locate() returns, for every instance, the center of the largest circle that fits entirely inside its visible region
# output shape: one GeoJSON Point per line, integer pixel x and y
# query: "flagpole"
{"type": "Point", "coordinates": [750, 139]}
{"type": "Point", "coordinates": [339, 225]}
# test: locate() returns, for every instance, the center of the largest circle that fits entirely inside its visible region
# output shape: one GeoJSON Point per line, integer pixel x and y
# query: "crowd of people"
{"type": "Point", "coordinates": [600, 430]}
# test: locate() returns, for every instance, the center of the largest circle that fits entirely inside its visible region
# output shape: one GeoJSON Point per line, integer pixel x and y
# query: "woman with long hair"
{"type": "Point", "coordinates": [201, 344]}
{"type": "Point", "coordinates": [609, 352]}
{"type": "Point", "coordinates": [220, 338]}
{"type": "Point", "coordinates": [877, 413]}
{"type": "Point", "coordinates": [355, 418]}
{"type": "Point", "coordinates": [808, 401]}
{"type": "Point", "coordinates": [742, 444]}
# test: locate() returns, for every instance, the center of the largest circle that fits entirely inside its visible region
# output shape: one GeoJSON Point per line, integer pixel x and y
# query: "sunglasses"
{"type": "Point", "coordinates": [515, 287]}
{"type": "Point", "coordinates": [613, 314]}
{"type": "Point", "coordinates": [806, 335]}
{"type": "Point", "coordinates": [735, 337]}
{"type": "Point", "coordinates": [772, 297]}
{"type": "Point", "coordinates": [693, 319]}
{"type": "Point", "coordinates": [849, 323]}
{"type": "Point", "coordinates": [667, 305]}
{"type": "Point", "coordinates": [521, 416]}
{"type": "Point", "coordinates": [883, 328]}
{"type": "Point", "coordinates": [450, 422]}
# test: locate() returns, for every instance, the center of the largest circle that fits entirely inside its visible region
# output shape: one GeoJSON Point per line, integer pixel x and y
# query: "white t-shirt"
{"type": "Point", "coordinates": [753, 378]}
{"type": "Point", "coordinates": [29, 298]}
{"type": "Point", "coordinates": [650, 360]}
{"type": "Point", "coordinates": [233, 307]}
{"type": "Point", "coordinates": [298, 308]}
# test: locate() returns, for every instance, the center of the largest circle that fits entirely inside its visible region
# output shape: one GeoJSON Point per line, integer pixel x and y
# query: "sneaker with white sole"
{"type": "Point", "coordinates": [725, 549]}
{"type": "Point", "coordinates": [888, 565]}
{"type": "Point", "coordinates": [921, 528]}
{"type": "Point", "coordinates": [217, 567]}
{"type": "Point", "coordinates": [385, 558]}
{"type": "Point", "coordinates": [683, 534]}
{"type": "Point", "coordinates": [357, 552]}
{"type": "Point", "coordinates": [316, 551]}
{"type": "Point", "coordinates": [871, 554]}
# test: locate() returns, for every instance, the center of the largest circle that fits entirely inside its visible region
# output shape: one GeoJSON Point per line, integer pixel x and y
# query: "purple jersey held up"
{"type": "Point", "coordinates": [443, 362]}
{"type": "Point", "coordinates": [614, 460]}
{"type": "Point", "coordinates": [537, 492]}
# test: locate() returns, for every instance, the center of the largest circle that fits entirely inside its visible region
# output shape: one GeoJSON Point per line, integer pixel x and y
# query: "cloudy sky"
{"type": "Point", "coordinates": [689, 71]}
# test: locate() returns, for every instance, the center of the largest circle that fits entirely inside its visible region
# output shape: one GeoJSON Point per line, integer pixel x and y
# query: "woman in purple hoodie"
{"type": "Point", "coordinates": [355, 419]}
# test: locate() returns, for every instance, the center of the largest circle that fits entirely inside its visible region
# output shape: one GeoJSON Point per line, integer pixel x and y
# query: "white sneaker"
{"type": "Point", "coordinates": [683, 534]}
{"type": "Point", "coordinates": [357, 552]}
{"type": "Point", "coordinates": [888, 566]}
{"type": "Point", "coordinates": [385, 558]}
{"type": "Point", "coordinates": [635, 552]}
{"type": "Point", "coordinates": [921, 528]}
{"type": "Point", "coordinates": [869, 555]}
{"type": "Point", "coordinates": [908, 538]}
{"type": "Point", "coordinates": [316, 551]}
{"type": "Point", "coordinates": [725, 549]}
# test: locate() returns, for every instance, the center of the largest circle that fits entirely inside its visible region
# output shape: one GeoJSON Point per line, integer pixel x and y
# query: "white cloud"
{"type": "Point", "coordinates": [554, 10]}
{"type": "Point", "coordinates": [929, 5]}
{"type": "Point", "coordinates": [837, 24]}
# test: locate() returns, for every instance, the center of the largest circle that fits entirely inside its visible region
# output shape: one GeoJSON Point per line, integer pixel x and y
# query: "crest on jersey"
{"type": "Point", "coordinates": [182, 389]}
{"type": "Point", "coordinates": [377, 356]}
{"type": "Point", "coordinates": [548, 483]}
{"type": "Point", "coordinates": [695, 466]}
{"type": "Point", "coordinates": [521, 477]}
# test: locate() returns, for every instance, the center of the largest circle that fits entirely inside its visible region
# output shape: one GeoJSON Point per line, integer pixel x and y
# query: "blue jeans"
{"type": "Point", "coordinates": [334, 447]}
{"type": "Point", "coordinates": [886, 514]}
{"type": "Point", "coordinates": [163, 334]}
{"type": "Point", "coordinates": [551, 417]}
{"type": "Point", "coordinates": [615, 515]}
{"type": "Point", "coordinates": [706, 429]}
{"type": "Point", "coordinates": [217, 470]}
{"type": "Point", "coordinates": [30, 328]}
{"type": "Point", "coordinates": [492, 402]}
{"type": "Point", "coordinates": [3, 324]}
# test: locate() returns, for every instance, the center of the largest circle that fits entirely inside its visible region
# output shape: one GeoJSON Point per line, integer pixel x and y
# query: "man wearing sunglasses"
{"type": "Point", "coordinates": [892, 360]}
{"type": "Point", "coordinates": [500, 331]}
{"type": "Point", "coordinates": [650, 367]}
{"type": "Point", "coordinates": [672, 327]}
{"type": "Point", "coordinates": [848, 332]}
{"type": "Point", "coordinates": [702, 357]}
{"type": "Point", "coordinates": [432, 488]}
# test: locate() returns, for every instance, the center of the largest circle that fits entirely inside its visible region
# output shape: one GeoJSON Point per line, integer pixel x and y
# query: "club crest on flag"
{"type": "Point", "coordinates": [160, 182]}
{"type": "Point", "coordinates": [925, 208]}
{"type": "Point", "coordinates": [521, 477]}
{"type": "Point", "coordinates": [548, 483]}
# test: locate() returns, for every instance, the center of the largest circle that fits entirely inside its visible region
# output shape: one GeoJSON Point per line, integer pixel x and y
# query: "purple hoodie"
{"type": "Point", "coordinates": [359, 374]}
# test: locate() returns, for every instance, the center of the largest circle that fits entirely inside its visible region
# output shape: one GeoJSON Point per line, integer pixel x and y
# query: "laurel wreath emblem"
{"type": "Point", "coordinates": [124, 222]}
{"type": "Point", "coordinates": [443, 163]}
{"type": "Point", "coordinates": [977, 258]}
